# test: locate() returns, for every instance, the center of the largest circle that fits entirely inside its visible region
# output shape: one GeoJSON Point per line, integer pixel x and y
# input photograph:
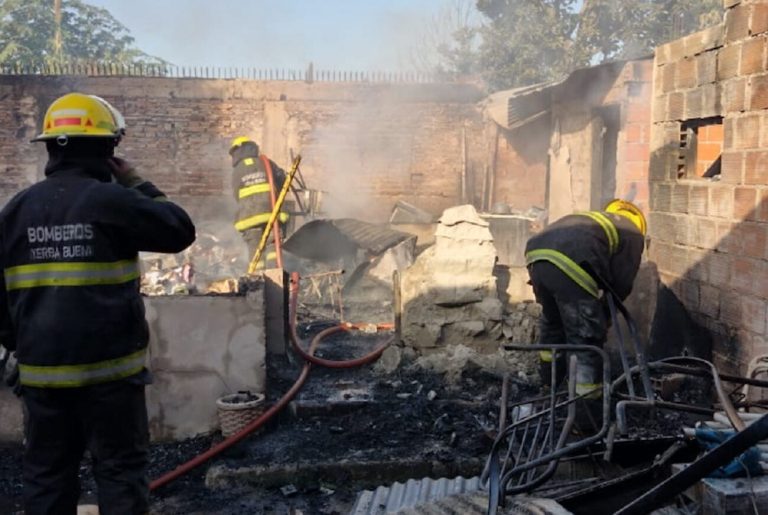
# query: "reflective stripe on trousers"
{"type": "Point", "coordinates": [568, 266]}
{"type": "Point", "coordinates": [256, 220]}
{"type": "Point", "coordinates": [72, 376]}
{"type": "Point", "coordinates": [71, 274]}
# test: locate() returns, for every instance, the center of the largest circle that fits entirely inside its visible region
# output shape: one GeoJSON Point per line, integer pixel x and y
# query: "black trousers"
{"type": "Point", "coordinates": [570, 315]}
{"type": "Point", "coordinates": [252, 239]}
{"type": "Point", "coordinates": [110, 420]}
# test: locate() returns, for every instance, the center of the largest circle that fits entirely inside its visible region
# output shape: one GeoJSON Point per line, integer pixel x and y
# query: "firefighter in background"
{"type": "Point", "coordinates": [70, 308]}
{"type": "Point", "coordinates": [256, 193]}
{"type": "Point", "coordinates": [570, 263]}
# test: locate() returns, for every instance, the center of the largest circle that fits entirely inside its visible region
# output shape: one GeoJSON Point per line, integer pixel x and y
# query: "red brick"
{"type": "Point", "coordinates": [637, 152]}
{"type": "Point", "coordinates": [728, 62]}
{"type": "Point", "coordinates": [737, 23]}
{"type": "Point", "coordinates": [744, 202]}
{"type": "Point", "coordinates": [756, 167]}
{"type": "Point", "coordinates": [752, 56]}
{"type": "Point", "coordinates": [638, 112]}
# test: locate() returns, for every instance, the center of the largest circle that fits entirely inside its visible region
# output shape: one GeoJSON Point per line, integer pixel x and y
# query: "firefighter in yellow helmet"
{"type": "Point", "coordinates": [570, 263]}
{"type": "Point", "coordinates": [255, 194]}
{"type": "Point", "coordinates": [70, 308]}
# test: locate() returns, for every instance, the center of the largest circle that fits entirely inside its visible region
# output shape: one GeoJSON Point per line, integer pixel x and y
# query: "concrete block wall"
{"type": "Point", "coordinates": [201, 348]}
{"type": "Point", "coordinates": [369, 144]}
{"type": "Point", "coordinates": [710, 238]}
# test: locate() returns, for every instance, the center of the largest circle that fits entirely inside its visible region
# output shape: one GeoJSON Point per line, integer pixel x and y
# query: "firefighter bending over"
{"type": "Point", "coordinates": [569, 263]}
{"type": "Point", "coordinates": [256, 193]}
{"type": "Point", "coordinates": [71, 309]}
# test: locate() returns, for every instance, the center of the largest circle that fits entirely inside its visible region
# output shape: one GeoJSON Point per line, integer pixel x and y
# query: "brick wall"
{"type": "Point", "coordinates": [367, 144]}
{"type": "Point", "coordinates": [709, 237]}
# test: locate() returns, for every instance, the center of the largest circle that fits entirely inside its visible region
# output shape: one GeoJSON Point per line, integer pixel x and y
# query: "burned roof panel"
{"type": "Point", "coordinates": [325, 240]}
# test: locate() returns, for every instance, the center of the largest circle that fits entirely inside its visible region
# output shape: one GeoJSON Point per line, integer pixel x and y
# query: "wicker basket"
{"type": "Point", "coordinates": [237, 410]}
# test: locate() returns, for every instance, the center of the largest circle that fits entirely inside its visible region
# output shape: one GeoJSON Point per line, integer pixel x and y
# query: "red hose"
{"type": "Point", "coordinates": [268, 414]}
{"type": "Point", "coordinates": [273, 198]}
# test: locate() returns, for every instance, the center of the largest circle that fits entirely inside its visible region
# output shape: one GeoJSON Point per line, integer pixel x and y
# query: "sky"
{"type": "Point", "coordinates": [350, 35]}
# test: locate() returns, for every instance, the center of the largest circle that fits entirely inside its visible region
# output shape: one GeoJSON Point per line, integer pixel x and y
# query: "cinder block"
{"type": "Point", "coordinates": [759, 19]}
{"type": "Point", "coordinates": [720, 201]}
{"type": "Point", "coordinates": [728, 62]}
{"type": "Point", "coordinates": [734, 95]}
{"type": "Point", "coordinates": [693, 104]}
{"type": "Point", "coordinates": [752, 56]}
{"type": "Point", "coordinates": [686, 74]}
{"type": "Point", "coordinates": [697, 200]}
{"type": "Point", "coordinates": [747, 132]}
{"type": "Point", "coordinates": [676, 106]}
{"type": "Point", "coordinates": [706, 68]}
{"type": "Point", "coordinates": [732, 167]}
{"type": "Point", "coordinates": [737, 23]}
{"type": "Point", "coordinates": [744, 202]}
{"type": "Point", "coordinates": [756, 167]}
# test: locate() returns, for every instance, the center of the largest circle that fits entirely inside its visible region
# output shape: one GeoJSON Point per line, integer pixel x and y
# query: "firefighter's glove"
{"type": "Point", "coordinates": [124, 173]}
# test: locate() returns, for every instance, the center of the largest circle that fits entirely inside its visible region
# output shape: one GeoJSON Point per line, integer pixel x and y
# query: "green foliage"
{"type": "Point", "coordinates": [529, 41]}
{"type": "Point", "coordinates": [88, 33]}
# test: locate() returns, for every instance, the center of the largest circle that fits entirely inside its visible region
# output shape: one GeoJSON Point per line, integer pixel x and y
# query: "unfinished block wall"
{"type": "Point", "coordinates": [368, 144]}
{"type": "Point", "coordinates": [709, 225]}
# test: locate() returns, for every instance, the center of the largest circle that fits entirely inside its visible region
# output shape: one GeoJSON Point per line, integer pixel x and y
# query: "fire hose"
{"type": "Point", "coordinates": [269, 413]}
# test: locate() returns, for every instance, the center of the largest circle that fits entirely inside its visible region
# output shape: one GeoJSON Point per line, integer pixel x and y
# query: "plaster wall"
{"type": "Point", "coordinates": [201, 347]}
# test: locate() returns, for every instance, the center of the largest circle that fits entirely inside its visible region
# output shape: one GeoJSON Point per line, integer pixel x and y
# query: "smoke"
{"type": "Point", "coordinates": [363, 157]}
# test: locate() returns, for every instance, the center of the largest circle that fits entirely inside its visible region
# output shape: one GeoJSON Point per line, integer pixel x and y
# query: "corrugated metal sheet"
{"type": "Point", "coordinates": [325, 240]}
{"type": "Point", "coordinates": [388, 500]}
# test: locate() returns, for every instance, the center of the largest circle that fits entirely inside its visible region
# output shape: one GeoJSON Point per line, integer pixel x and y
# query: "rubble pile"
{"type": "Point", "coordinates": [449, 295]}
{"type": "Point", "coordinates": [210, 265]}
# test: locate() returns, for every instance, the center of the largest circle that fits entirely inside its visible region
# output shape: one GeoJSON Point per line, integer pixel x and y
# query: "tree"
{"type": "Point", "coordinates": [529, 41]}
{"type": "Point", "coordinates": [29, 35]}
{"type": "Point", "coordinates": [450, 41]}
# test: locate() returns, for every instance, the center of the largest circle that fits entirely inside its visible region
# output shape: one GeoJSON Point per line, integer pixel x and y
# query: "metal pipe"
{"type": "Point", "coordinates": [717, 457]}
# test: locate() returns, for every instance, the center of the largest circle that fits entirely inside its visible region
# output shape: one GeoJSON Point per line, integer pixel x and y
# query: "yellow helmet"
{"type": "Point", "coordinates": [629, 211]}
{"type": "Point", "coordinates": [239, 141]}
{"type": "Point", "coordinates": [79, 115]}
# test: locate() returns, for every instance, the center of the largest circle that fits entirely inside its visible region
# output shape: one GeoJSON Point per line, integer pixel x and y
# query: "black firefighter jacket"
{"type": "Point", "coordinates": [252, 191]}
{"type": "Point", "coordinates": [70, 302]}
{"type": "Point", "coordinates": [590, 248]}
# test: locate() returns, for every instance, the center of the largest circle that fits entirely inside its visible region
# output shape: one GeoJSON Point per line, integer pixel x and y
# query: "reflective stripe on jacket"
{"type": "Point", "coordinates": [254, 193]}
{"type": "Point", "coordinates": [71, 305]}
{"type": "Point", "coordinates": [591, 245]}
